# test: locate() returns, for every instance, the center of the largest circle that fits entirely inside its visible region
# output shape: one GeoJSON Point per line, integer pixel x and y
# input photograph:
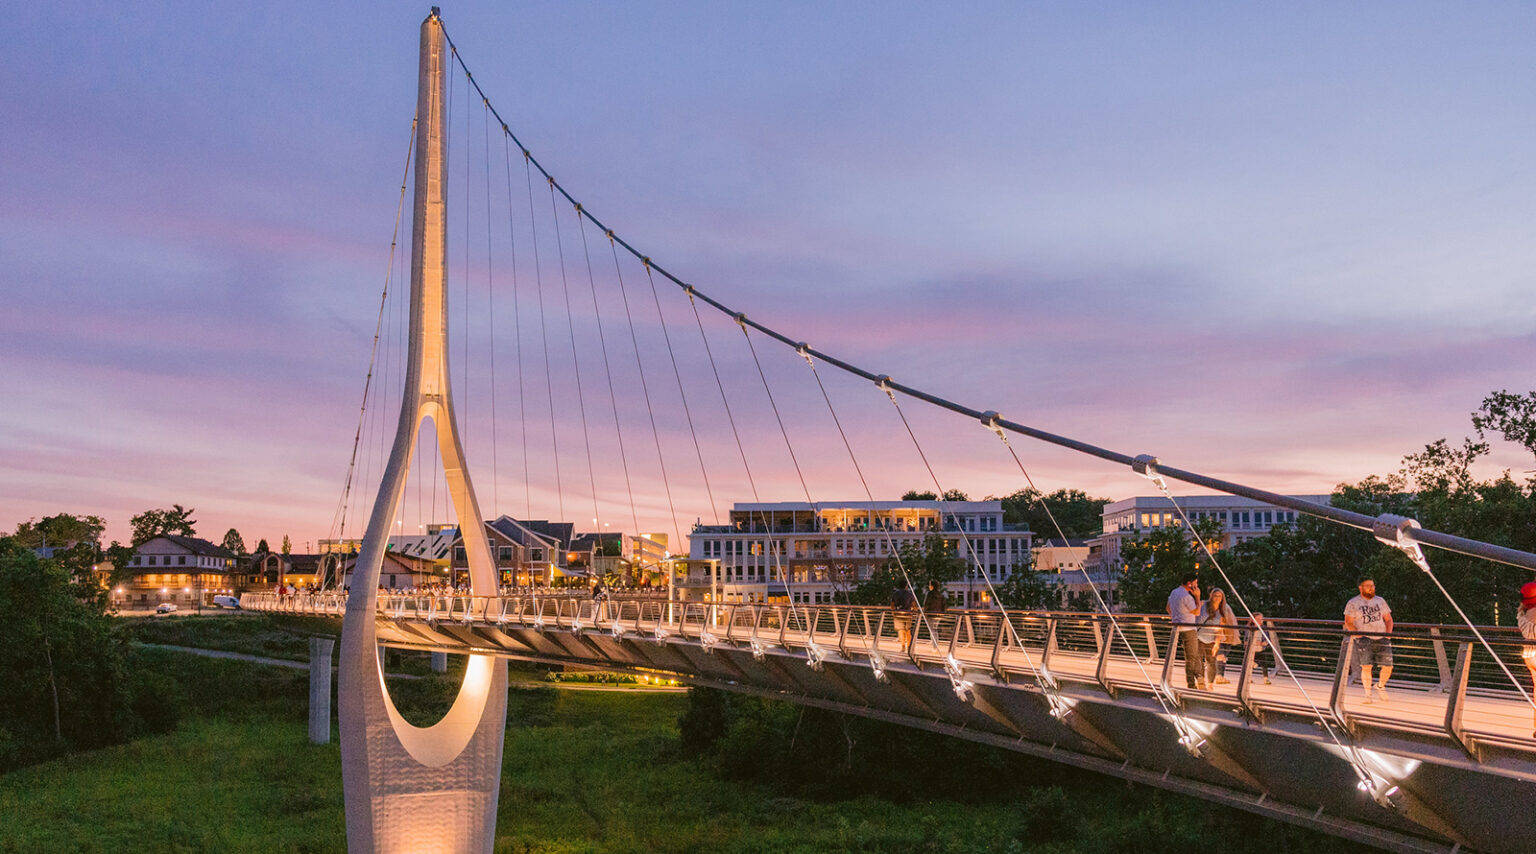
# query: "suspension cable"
{"type": "Point", "coordinates": [1188, 736]}
{"type": "Point", "coordinates": [490, 315]}
{"type": "Point", "coordinates": [373, 350]}
{"type": "Point", "coordinates": [1046, 682]}
{"type": "Point", "coordinates": [725, 401]}
{"type": "Point", "coordinates": [613, 397]}
{"type": "Point", "coordinates": [517, 328]}
{"type": "Point", "coordinates": [581, 401]}
{"type": "Point", "coordinates": [645, 391]}
{"type": "Point", "coordinates": [681, 393]}
{"type": "Point", "coordinates": [1411, 549]}
{"type": "Point", "coordinates": [1449, 542]}
{"type": "Point", "coordinates": [549, 383]}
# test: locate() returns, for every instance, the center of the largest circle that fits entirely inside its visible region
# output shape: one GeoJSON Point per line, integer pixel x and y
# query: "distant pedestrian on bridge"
{"type": "Point", "coordinates": [1184, 611]}
{"type": "Point", "coordinates": [935, 602]}
{"type": "Point", "coordinates": [903, 603]}
{"type": "Point", "coordinates": [1527, 621]}
{"type": "Point", "coordinates": [1370, 616]}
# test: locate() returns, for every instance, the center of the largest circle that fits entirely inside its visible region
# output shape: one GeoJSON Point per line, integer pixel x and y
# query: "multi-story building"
{"type": "Point", "coordinates": [527, 552]}
{"type": "Point", "coordinates": [802, 552]}
{"type": "Point", "coordinates": [1241, 519]}
{"type": "Point", "coordinates": [184, 571]}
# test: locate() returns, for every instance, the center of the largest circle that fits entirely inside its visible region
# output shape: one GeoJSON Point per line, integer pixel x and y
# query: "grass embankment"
{"type": "Point", "coordinates": [583, 772]}
{"type": "Point", "coordinates": [247, 633]}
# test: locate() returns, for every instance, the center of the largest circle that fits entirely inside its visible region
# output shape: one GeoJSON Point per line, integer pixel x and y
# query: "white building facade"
{"type": "Point", "coordinates": [825, 549]}
{"type": "Point", "coordinates": [1241, 519]}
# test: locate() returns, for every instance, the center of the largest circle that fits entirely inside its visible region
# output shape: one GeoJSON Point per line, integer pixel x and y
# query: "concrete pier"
{"type": "Point", "coordinates": [320, 689]}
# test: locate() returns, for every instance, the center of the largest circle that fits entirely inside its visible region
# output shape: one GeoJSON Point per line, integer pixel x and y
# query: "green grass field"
{"type": "Point", "coordinates": [584, 771]}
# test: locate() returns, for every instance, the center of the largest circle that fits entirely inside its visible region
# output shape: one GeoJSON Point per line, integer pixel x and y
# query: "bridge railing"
{"type": "Point", "coordinates": [1441, 671]}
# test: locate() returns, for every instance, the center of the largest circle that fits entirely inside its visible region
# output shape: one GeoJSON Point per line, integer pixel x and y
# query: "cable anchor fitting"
{"type": "Point", "coordinates": [740, 316]}
{"type": "Point", "coordinates": [990, 419]}
{"type": "Point", "coordinates": [1397, 532]}
{"type": "Point", "coordinates": [804, 350]}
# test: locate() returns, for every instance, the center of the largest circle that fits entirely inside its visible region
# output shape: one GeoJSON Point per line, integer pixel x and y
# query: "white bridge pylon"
{"type": "Point", "coordinates": [410, 788]}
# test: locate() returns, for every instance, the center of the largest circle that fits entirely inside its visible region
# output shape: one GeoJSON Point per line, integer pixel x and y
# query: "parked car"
{"type": "Point", "coordinates": [165, 607]}
{"type": "Point", "coordinates": [226, 602]}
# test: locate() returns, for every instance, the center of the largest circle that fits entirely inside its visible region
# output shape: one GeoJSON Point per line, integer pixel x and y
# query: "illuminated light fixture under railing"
{"type": "Point", "coordinates": [616, 630]}
{"type": "Point", "coordinates": [815, 657]}
{"type": "Point", "coordinates": [758, 650]}
{"type": "Point", "coordinates": [964, 688]}
{"type": "Point", "coordinates": [877, 666]}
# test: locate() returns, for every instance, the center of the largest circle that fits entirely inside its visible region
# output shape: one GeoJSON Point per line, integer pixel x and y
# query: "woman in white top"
{"type": "Point", "coordinates": [1215, 619]}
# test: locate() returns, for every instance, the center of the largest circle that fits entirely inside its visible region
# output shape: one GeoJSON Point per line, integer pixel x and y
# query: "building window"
{"type": "Point", "coordinates": [181, 560]}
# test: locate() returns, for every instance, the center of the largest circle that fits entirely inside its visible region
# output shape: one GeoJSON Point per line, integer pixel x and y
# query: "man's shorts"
{"type": "Point", "coordinates": [1373, 650]}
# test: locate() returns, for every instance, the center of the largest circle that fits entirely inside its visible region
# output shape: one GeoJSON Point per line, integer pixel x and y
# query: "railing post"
{"type": "Point", "coordinates": [1098, 636]}
{"type": "Point", "coordinates": [1003, 627]}
{"type": "Point", "coordinates": [1101, 672]}
{"type": "Point", "coordinates": [1050, 642]}
{"type": "Point", "coordinates": [1446, 677]}
{"type": "Point", "coordinates": [1340, 680]}
{"type": "Point", "coordinates": [1146, 626]}
{"type": "Point", "coordinates": [1166, 677]}
{"type": "Point", "coordinates": [1245, 678]}
{"type": "Point", "coordinates": [1456, 703]}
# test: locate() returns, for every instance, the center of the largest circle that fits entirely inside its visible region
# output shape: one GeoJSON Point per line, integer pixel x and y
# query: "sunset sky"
{"type": "Point", "coordinates": [1280, 245]}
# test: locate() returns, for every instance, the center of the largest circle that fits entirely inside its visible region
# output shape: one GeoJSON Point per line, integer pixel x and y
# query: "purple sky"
{"type": "Point", "coordinates": [1287, 247]}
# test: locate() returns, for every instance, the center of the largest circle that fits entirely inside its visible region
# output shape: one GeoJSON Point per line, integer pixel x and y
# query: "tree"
{"type": "Point", "coordinates": [1080, 515]}
{"type": "Point", "coordinates": [1028, 590]}
{"type": "Point", "coordinates": [67, 686]}
{"type": "Point", "coordinates": [61, 530]}
{"type": "Point", "coordinates": [158, 523]}
{"type": "Point", "coordinates": [954, 495]}
{"type": "Point", "coordinates": [916, 495]}
{"type": "Point", "coordinates": [1154, 563]}
{"type": "Point", "coordinates": [287, 545]}
{"type": "Point", "coordinates": [1512, 416]}
{"type": "Point", "coordinates": [262, 548]}
{"type": "Point", "coordinates": [934, 559]}
{"type": "Point", "coordinates": [234, 542]}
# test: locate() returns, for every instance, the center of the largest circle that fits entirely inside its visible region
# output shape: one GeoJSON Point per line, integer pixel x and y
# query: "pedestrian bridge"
{"type": "Point", "coordinates": [1448, 762]}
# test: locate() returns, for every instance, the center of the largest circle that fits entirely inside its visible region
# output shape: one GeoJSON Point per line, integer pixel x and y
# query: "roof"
{"type": "Point", "coordinates": [541, 532]}
{"type": "Point", "coordinates": [194, 545]}
{"type": "Point", "coordinates": [1057, 543]}
{"type": "Point", "coordinates": [583, 542]}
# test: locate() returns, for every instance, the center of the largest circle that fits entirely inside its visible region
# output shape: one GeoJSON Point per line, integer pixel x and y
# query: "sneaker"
{"type": "Point", "coordinates": [1266, 681]}
{"type": "Point", "coordinates": [1201, 686]}
{"type": "Point", "coordinates": [1381, 695]}
{"type": "Point", "coordinates": [1369, 697]}
{"type": "Point", "coordinates": [1222, 680]}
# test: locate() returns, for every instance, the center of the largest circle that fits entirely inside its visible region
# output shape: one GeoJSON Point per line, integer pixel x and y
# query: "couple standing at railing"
{"type": "Point", "coordinates": [1203, 629]}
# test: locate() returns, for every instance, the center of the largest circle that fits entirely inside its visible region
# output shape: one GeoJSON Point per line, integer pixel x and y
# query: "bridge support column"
{"type": "Point", "coordinates": [439, 662]}
{"type": "Point", "coordinates": [320, 690]}
{"type": "Point", "coordinates": [409, 788]}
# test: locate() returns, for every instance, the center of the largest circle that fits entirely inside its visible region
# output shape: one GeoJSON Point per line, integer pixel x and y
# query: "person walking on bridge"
{"type": "Point", "coordinates": [1527, 621]}
{"type": "Point", "coordinates": [1369, 616]}
{"type": "Point", "coordinates": [1184, 611]}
